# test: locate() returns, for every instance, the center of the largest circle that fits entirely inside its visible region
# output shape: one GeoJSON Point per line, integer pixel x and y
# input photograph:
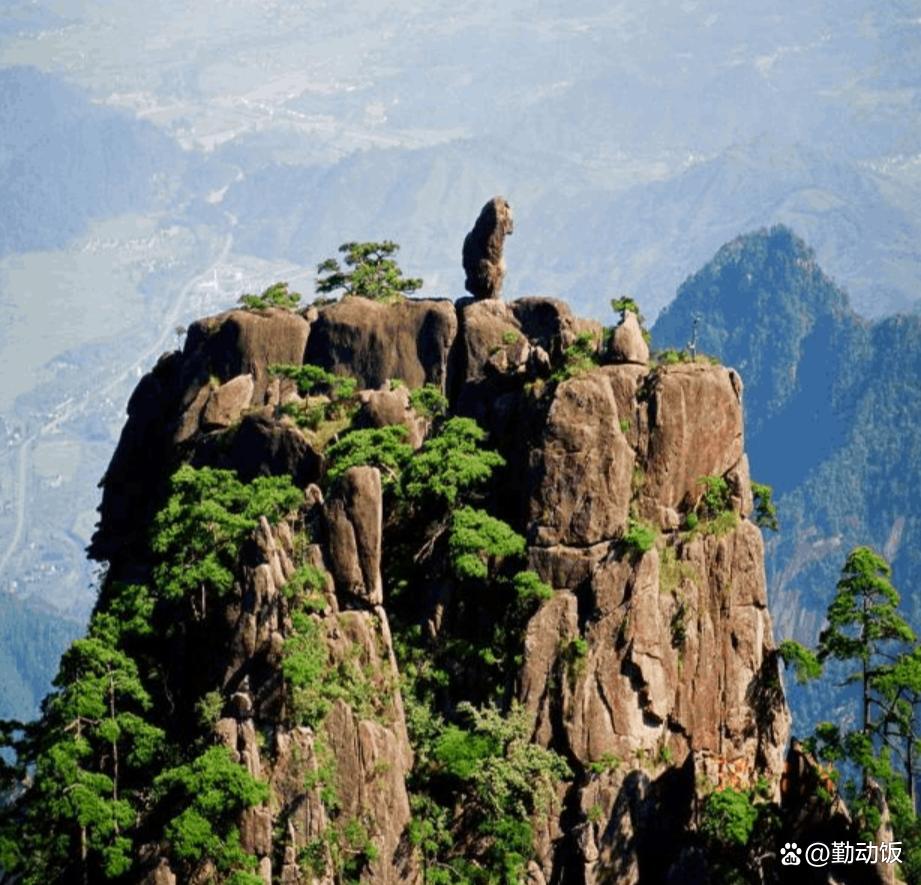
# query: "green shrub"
{"type": "Point", "coordinates": [276, 295]}
{"type": "Point", "coordinates": [312, 380]}
{"type": "Point", "coordinates": [581, 356]}
{"type": "Point", "coordinates": [211, 790]}
{"type": "Point", "coordinates": [715, 498]}
{"type": "Point", "coordinates": [729, 817]}
{"type": "Point", "coordinates": [201, 528]}
{"type": "Point", "coordinates": [640, 536]}
{"type": "Point", "coordinates": [765, 510]}
{"type": "Point", "coordinates": [722, 523]}
{"type": "Point", "coordinates": [608, 763]}
{"type": "Point", "coordinates": [573, 654]}
{"type": "Point", "coordinates": [451, 463]}
{"type": "Point", "coordinates": [671, 357]}
{"type": "Point", "coordinates": [429, 401]}
{"type": "Point", "coordinates": [478, 539]}
{"type": "Point", "coordinates": [529, 588]}
{"type": "Point", "coordinates": [382, 447]}
{"type": "Point", "coordinates": [624, 304]}
{"type": "Point", "coordinates": [801, 660]}
{"type": "Point", "coordinates": [372, 273]}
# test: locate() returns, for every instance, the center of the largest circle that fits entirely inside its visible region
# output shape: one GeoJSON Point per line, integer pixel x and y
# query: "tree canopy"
{"type": "Point", "coordinates": [370, 271]}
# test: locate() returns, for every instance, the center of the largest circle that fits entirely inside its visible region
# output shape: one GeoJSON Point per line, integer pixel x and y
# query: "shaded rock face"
{"type": "Point", "coordinates": [653, 671]}
{"type": "Point", "coordinates": [221, 373]}
{"type": "Point", "coordinates": [376, 342]}
{"type": "Point", "coordinates": [354, 518]}
{"type": "Point", "coordinates": [482, 253]}
{"type": "Point", "coordinates": [695, 429]}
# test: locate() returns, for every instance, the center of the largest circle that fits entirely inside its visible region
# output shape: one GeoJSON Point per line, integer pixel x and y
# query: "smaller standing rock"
{"type": "Point", "coordinates": [628, 344]}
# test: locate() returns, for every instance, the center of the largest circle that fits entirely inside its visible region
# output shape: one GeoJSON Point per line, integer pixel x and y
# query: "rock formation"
{"type": "Point", "coordinates": [651, 669]}
{"type": "Point", "coordinates": [482, 255]}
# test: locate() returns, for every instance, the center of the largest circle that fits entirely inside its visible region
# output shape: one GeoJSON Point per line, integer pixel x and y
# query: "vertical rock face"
{"type": "Point", "coordinates": [652, 669]}
{"type": "Point", "coordinates": [677, 691]}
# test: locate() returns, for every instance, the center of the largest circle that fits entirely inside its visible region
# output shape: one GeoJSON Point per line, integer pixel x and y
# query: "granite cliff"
{"type": "Point", "coordinates": [596, 627]}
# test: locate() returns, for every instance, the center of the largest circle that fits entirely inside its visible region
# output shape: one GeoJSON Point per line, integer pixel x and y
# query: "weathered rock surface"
{"type": "Point", "coordinates": [226, 403]}
{"type": "Point", "coordinates": [482, 252]}
{"type": "Point", "coordinates": [627, 342]}
{"type": "Point", "coordinates": [581, 473]}
{"type": "Point", "coordinates": [652, 670]}
{"type": "Point", "coordinates": [376, 343]}
{"type": "Point", "coordinates": [382, 408]}
{"type": "Point", "coordinates": [695, 430]}
{"type": "Point", "coordinates": [246, 342]}
{"type": "Point", "coordinates": [354, 517]}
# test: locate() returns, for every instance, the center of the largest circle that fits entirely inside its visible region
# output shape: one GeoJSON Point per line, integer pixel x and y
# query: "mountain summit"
{"type": "Point", "coordinates": [420, 592]}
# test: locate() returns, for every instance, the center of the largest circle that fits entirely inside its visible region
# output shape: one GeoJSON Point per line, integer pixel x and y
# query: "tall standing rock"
{"type": "Point", "coordinates": [482, 254]}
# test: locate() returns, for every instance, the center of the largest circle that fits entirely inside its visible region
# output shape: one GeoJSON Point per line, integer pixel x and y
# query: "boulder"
{"type": "Point", "coordinates": [376, 342]}
{"type": "Point", "coordinates": [260, 446]}
{"type": "Point", "coordinates": [354, 518]}
{"type": "Point", "coordinates": [382, 408]}
{"type": "Point", "coordinates": [627, 342]}
{"type": "Point", "coordinates": [245, 342]}
{"type": "Point", "coordinates": [227, 402]}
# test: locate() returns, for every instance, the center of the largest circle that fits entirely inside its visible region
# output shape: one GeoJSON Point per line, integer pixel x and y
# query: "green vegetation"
{"type": "Point", "coordinates": [673, 572]}
{"type": "Point", "coordinates": [729, 817]}
{"type": "Point", "coordinates": [801, 660]}
{"type": "Point", "coordinates": [211, 791]}
{"type": "Point", "coordinates": [712, 514]}
{"type": "Point", "coordinates": [625, 305]}
{"type": "Point", "coordinates": [450, 463]}
{"type": "Point", "coordinates": [500, 779]}
{"type": "Point", "coordinates": [478, 541]}
{"type": "Point", "coordinates": [276, 295]}
{"type": "Point", "coordinates": [312, 380]}
{"type": "Point", "coordinates": [198, 534]}
{"type": "Point", "coordinates": [429, 401]}
{"type": "Point", "coordinates": [580, 357]}
{"type": "Point", "coordinates": [739, 828]}
{"type": "Point", "coordinates": [372, 273]}
{"type": "Point", "coordinates": [573, 654]}
{"type": "Point", "coordinates": [765, 511]}
{"type": "Point", "coordinates": [715, 498]}
{"type": "Point", "coordinates": [608, 763]}
{"type": "Point", "coordinates": [382, 447]}
{"type": "Point", "coordinates": [880, 655]}
{"type": "Point", "coordinates": [330, 400]}
{"type": "Point", "coordinates": [111, 762]}
{"type": "Point", "coordinates": [640, 536]}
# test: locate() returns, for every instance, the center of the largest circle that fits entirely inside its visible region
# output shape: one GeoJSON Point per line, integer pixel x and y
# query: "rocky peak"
{"type": "Point", "coordinates": [651, 669]}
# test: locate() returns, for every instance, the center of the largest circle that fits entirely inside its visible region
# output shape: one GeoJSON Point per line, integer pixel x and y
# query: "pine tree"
{"type": "Point", "coordinates": [374, 274]}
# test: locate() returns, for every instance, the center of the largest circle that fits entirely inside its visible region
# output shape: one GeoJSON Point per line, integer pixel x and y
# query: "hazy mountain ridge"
{"type": "Point", "coordinates": [64, 161]}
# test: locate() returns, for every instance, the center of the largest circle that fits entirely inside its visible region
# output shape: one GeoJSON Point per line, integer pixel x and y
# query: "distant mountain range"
{"type": "Point", "coordinates": [65, 160]}
{"type": "Point", "coordinates": [581, 241]}
{"type": "Point", "coordinates": [32, 639]}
